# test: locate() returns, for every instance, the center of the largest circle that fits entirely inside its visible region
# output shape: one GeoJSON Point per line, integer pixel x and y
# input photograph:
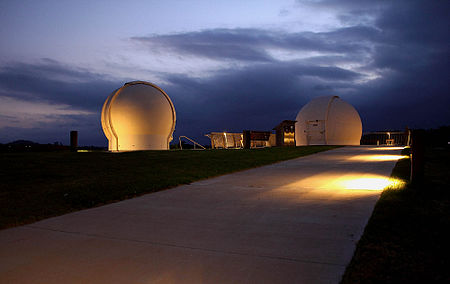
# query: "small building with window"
{"type": "Point", "coordinates": [285, 133]}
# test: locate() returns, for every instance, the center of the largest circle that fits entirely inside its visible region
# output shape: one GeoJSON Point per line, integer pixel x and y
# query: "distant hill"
{"type": "Point", "coordinates": [23, 142]}
{"type": "Point", "coordinates": [30, 146]}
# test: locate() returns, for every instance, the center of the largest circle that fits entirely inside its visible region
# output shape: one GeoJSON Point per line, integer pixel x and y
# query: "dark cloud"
{"type": "Point", "coordinates": [352, 12]}
{"type": "Point", "coordinates": [253, 44]}
{"type": "Point", "coordinates": [54, 82]}
{"type": "Point", "coordinates": [49, 82]}
{"type": "Point", "coordinates": [239, 44]}
{"type": "Point", "coordinates": [422, 23]}
{"type": "Point", "coordinates": [413, 51]}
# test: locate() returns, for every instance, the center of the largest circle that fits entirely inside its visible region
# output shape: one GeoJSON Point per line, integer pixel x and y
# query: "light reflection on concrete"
{"type": "Point", "coordinates": [387, 148]}
{"type": "Point", "coordinates": [334, 185]}
{"type": "Point", "coordinates": [369, 158]}
{"type": "Point", "coordinates": [370, 183]}
{"type": "Point", "coordinates": [342, 185]}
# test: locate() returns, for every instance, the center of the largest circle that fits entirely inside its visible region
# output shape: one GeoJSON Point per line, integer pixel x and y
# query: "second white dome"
{"type": "Point", "coordinates": [328, 120]}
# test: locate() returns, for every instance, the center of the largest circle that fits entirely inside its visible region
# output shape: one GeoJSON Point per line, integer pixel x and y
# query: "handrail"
{"type": "Point", "coordinates": [195, 143]}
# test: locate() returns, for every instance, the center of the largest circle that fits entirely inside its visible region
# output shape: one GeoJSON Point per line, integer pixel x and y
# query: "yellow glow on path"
{"type": "Point", "coordinates": [348, 182]}
{"type": "Point", "coordinates": [354, 181]}
{"type": "Point", "coordinates": [370, 183]}
{"type": "Point", "coordinates": [369, 158]}
{"type": "Point", "coordinates": [388, 148]}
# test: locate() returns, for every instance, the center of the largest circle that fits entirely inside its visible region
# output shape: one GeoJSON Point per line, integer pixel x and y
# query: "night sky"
{"type": "Point", "coordinates": [227, 66]}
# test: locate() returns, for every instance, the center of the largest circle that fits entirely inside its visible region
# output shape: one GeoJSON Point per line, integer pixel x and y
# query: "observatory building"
{"type": "Point", "coordinates": [138, 116]}
{"type": "Point", "coordinates": [328, 121]}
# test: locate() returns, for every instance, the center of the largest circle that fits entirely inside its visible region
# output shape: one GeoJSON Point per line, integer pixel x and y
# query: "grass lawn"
{"type": "Point", "coordinates": [35, 186]}
{"type": "Point", "coordinates": [407, 239]}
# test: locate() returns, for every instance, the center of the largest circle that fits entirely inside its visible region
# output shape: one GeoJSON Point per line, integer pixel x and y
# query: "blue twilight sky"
{"type": "Point", "coordinates": [227, 65]}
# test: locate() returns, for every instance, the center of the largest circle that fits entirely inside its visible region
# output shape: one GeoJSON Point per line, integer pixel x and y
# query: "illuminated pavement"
{"type": "Point", "coordinates": [292, 222]}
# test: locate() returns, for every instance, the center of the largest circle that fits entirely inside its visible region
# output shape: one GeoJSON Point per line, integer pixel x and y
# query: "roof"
{"type": "Point", "coordinates": [284, 123]}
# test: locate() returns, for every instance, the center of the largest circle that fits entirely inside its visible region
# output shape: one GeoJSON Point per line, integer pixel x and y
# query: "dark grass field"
{"type": "Point", "coordinates": [35, 186]}
{"type": "Point", "coordinates": [407, 239]}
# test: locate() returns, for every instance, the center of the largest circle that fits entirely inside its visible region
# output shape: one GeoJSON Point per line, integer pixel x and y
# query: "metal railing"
{"type": "Point", "coordinates": [191, 140]}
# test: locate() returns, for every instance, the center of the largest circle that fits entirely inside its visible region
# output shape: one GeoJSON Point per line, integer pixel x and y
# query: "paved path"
{"type": "Point", "coordinates": [292, 222]}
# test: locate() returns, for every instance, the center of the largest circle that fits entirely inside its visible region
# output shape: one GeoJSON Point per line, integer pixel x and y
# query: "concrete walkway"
{"type": "Point", "coordinates": [292, 222]}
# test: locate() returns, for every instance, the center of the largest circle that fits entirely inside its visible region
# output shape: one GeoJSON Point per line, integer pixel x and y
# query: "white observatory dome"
{"type": "Point", "coordinates": [138, 116]}
{"type": "Point", "coordinates": [328, 121]}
